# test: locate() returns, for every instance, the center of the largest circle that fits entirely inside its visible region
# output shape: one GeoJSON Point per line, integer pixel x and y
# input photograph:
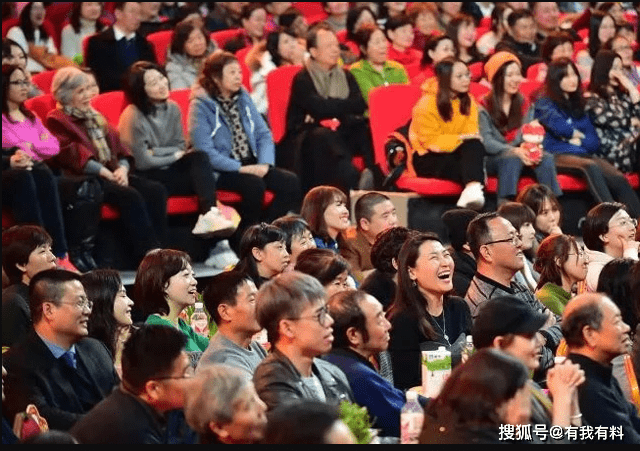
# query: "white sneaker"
{"type": "Point", "coordinates": [214, 223]}
{"type": "Point", "coordinates": [221, 256]}
{"type": "Point", "coordinates": [471, 197]}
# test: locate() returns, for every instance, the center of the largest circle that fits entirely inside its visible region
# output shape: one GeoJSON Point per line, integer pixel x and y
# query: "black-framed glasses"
{"type": "Point", "coordinates": [513, 240]}
{"type": "Point", "coordinates": [81, 304]}
{"type": "Point", "coordinates": [322, 316]}
{"type": "Point", "coordinates": [581, 253]}
{"type": "Point", "coordinates": [188, 374]}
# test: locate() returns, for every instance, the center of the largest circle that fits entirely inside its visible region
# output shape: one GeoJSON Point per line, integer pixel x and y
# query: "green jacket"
{"type": "Point", "coordinates": [393, 73]}
{"type": "Point", "coordinates": [195, 342]}
{"type": "Point", "coordinates": [555, 298]}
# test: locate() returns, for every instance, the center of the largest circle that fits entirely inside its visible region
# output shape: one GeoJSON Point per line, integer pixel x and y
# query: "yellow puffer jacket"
{"type": "Point", "coordinates": [429, 132]}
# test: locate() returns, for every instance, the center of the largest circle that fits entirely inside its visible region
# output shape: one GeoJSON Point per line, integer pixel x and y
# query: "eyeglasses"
{"type": "Point", "coordinates": [581, 253]}
{"type": "Point", "coordinates": [513, 240]}
{"type": "Point", "coordinates": [24, 83]}
{"type": "Point", "coordinates": [322, 316]}
{"type": "Point", "coordinates": [188, 374]}
{"type": "Point", "coordinates": [81, 304]}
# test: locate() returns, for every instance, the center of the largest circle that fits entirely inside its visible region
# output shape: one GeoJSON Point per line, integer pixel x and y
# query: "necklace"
{"type": "Point", "coordinates": [443, 329]}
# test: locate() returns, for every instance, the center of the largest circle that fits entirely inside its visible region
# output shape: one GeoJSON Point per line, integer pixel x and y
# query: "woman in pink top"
{"type": "Point", "coordinates": [29, 188]}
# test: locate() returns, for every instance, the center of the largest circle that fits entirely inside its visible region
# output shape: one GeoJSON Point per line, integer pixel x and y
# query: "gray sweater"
{"type": "Point", "coordinates": [153, 139]}
{"type": "Point", "coordinates": [223, 350]}
{"type": "Point", "coordinates": [493, 140]}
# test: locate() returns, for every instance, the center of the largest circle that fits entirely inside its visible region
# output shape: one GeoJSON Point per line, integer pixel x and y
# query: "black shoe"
{"type": "Point", "coordinates": [77, 258]}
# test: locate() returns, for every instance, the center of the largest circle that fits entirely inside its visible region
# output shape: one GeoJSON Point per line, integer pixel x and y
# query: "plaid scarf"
{"type": "Point", "coordinates": [240, 150]}
{"type": "Point", "coordinates": [96, 127]}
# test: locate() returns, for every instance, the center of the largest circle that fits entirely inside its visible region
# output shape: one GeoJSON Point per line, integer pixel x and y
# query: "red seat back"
{"type": "Point", "coordinates": [160, 40]}
{"type": "Point", "coordinates": [536, 71]}
{"type": "Point", "coordinates": [110, 105]}
{"type": "Point", "coordinates": [41, 105]}
{"type": "Point", "coordinates": [221, 37]}
{"type": "Point", "coordinates": [279, 83]}
{"type": "Point", "coordinates": [477, 71]}
{"type": "Point", "coordinates": [478, 90]}
{"type": "Point", "coordinates": [43, 80]}
{"type": "Point", "coordinates": [390, 107]}
{"type": "Point", "coordinates": [181, 97]}
{"type": "Point", "coordinates": [246, 72]}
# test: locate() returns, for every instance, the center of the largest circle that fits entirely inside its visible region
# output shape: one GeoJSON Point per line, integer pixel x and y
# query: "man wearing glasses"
{"type": "Point", "coordinates": [156, 374]}
{"type": "Point", "coordinates": [292, 308]}
{"type": "Point", "coordinates": [497, 248]}
{"type": "Point", "coordinates": [56, 366]}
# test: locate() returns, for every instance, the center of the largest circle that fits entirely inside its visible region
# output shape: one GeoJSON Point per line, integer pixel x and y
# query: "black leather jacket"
{"type": "Point", "coordinates": [278, 381]}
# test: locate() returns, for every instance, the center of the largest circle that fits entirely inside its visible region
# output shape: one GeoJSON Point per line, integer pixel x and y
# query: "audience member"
{"type": "Point", "coordinates": [437, 47]}
{"type": "Point", "coordinates": [156, 377]}
{"type": "Point", "coordinates": [190, 46]}
{"type": "Point", "coordinates": [375, 68]}
{"type": "Point", "coordinates": [547, 208]}
{"type": "Point", "coordinates": [111, 52]}
{"type": "Point", "coordinates": [26, 251]}
{"type": "Point", "coordinates": [90, 147]}
{"type": "Point", "coordinates": [546, 16]}
{"type": "Point", "coordinates": [56, 366]}
{"type": "Point", "coordinates": [462, 30]}
{"type": "Point", "coordinates": [263, 253]}
{"type": "Point", "coordinates": [595, 335]}
{"type": "Point", "coordinates": [224, 407]}
{"type": "Point", "coordinates": [357, 18]}
{"type": "Point", "coordinates": [445, 136]}
{"type": "Point", "coordinates": [602, 27]}
{"type": "Point", "coordinates": [456, 222]}
{"type": "Point", "coordinates": [613, 105]}
{"type": "Point", "coordinates": [83, 21]}
{"type": "Point", "coordinates": [13, 53]}
{"type": "Point", "coordinates": [562, 264]}
{"type": "Point", "coordinates": [446, 12]}
{"type": "Point", "coordinates": [522, 218]}
{"type": "Point", "coordinates": [230, 297]}
{"type": "Point", "coordinates": [424, 316]}
{"type": "Point", "coordinates": [486, 43]}
{"type": "Point", "coordinates": [496, 246]}
{"type": "Point", "coordinates": [224, 15]}
{"type": "Point", "coordinates": [30, 187]}
{"type": "Point", "coordinates": [624, 47]}
{"type": "Point", "coordinates": [521, 38]}
{"type": "Point", "coordinates": [307, 422]}
{"type": "Point", "coordinates": [505, 323]}
{"type": "Point", "coordinates": [382, 281]}
{"type": "Point", "coordinates": [165, 285]}
{"type": "Point", "coordinates": [337, 15]}
{"type": "Point", "coordinates": [361, 332]}
{"type": "Point", "coordinates": [321, 91]}
{"type": "Point", "coordinates": [298, 236]}
{"type": "Point", "coordinates": [399, 31]}
{"type": "Point", "coordinates": [150, 19]}
{"type": "Point", "coordinates": [253, 18]}
{"type": "Point", "coordinates": [110, 320]}
{"type": "Point", "coordinates": [281, 48]}
{"type": "Point", "coordinates": [424, 17]}
{"type": "Point", "coordinates": [294, 22]}
{"type": "Point", "coordinates": [504, 113]}
{"type": "Point", "coordinates": [571, 137]}
{"type": "Point", "coordinates": [616, 281]}
{"type": "Point", "coordinates": [374, 213]}
{"type": "Point", "coordinates": [224, 123]}
{"type": "Point", "coordinates": [479, 397]}
{"type": "Point", "coordinates": [329, 268]}
{"type": "Point", "coordinates": [151, 126]}
{"type": "Point", "coordinates": [274, 11]}
{"type": "Point", "coordinates": [608, 232]}
{"type": "Point", "coordinates": [29, 32]}
{"type": "Point", "coordinates": [325, 210]}
{"type": "Point", "coordinates": [291, 307]}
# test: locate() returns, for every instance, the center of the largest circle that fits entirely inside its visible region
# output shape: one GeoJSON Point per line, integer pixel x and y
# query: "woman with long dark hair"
{"type": "Point", "coordinates": [445, 135]}
{"type": "Point", "coordinates": [84, 21]}
{"type": "Point", "coordinates": [573, 140]}
{"type": "Point", "coordinates": [462, 30]}
{"type": "Point", "coordinates": [504, 111]}
{"type": "Point", "coordinates": [424, 315]}
{"type": "Point", "coordinates": [110, 320]}
{"type": "Point", "coordinates": [602, 27]}
{"type": "Point", "coordinates": [613, 105]}
{"type": "Point", "coordinates": [30, 31]}
{"type": "Point", "coordinates": [325, 210]}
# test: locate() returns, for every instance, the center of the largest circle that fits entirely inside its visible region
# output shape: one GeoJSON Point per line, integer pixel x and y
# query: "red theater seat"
{"type": "Point", "coordinates": [41, 105]}
{"type": "Point", "coordinates": [160, 40]}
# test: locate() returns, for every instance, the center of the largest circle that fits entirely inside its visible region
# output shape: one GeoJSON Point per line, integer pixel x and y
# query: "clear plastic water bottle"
{"type": "Point", "coordinates": [469, 349]}
{"type": "Point", "coordinates": [411, 419]}
{"type": "Point", "coordinates": [200, 321]}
